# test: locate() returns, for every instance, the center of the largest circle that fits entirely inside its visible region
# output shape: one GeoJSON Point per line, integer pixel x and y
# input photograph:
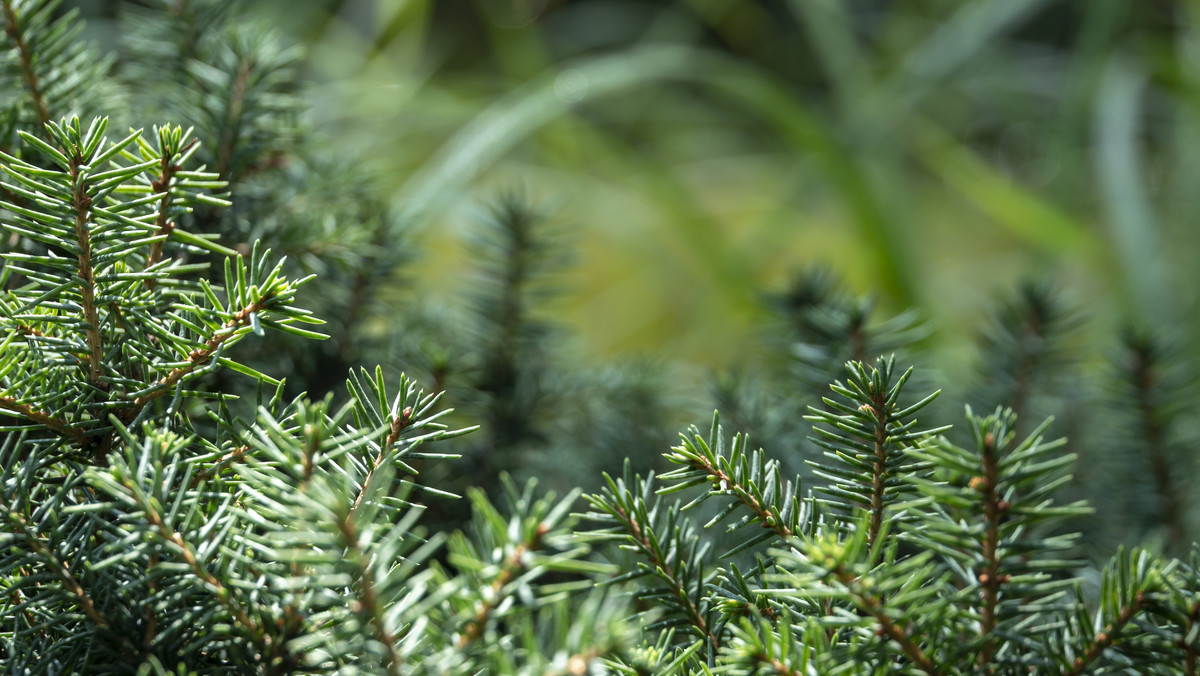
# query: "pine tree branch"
{"type": "Point", "coordinates": [60, 569]}
{"type": "Point", "coordinates": [27, 56]}
{"type": "Point", "coordinates": [29, 413]}
{"type": "Point", "coordinates": [233, 118]}
{"type": "Point", "coordinates": [879, 409]}
{"type": "Point", "coordinates": [1107, 636]}
{"type": "Point", "coordinates": [695, 618]}
{"type": "Point", "coordinates": [774, 665]}
{"type": "Point", "coordinates": [219, 590]}
{"type": "Point", "coordinates": [1145, 380]}
{"type": "Point", "coordinates": [874, 607]}
{"type": "Point", "coordinates": [209, 472]}
{"type": "Point", "coordinates": [82, 203]}
{"type": "Point", "coordinates": [514, 565]}
{"type": "Point", "coordinates": [719, 477]}
{"type": "Point", "coordinates": [199, 356]}
{"type": "Point", "coordinates": [162, 222]}
{"type": "Point", "coordinates": [1191, 654]}
{"type": "Point", "coordinates": [990, 579]}
{"type": "Point", "coordinates": [151, 632]}
{"type": "Point", "coordinates": [399, 424]}
{"type": "Point", "coordinates": [368, 599]}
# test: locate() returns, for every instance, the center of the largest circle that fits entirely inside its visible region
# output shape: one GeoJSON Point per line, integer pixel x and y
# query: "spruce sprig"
{"type": "Point", "coordinates": [867, 435]}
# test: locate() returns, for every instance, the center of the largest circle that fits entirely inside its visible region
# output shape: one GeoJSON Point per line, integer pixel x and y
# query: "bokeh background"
{"type": "Point", "coordinates": [930, 151]}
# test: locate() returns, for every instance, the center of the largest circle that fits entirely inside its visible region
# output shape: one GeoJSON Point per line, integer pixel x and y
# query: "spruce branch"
{"type": "Point", "coordinates": [671, 551]}
{"type": "Point", "coordinates": [59, 568]}
{"type": "Point", "coordinates": [15, 29]}
{"type": "Point", "coordinates": [200, 356]}
{"type": "Point", "coordinates": [662, 567]}
{"type": "Point", "coordinates": [737, 473]}
{"type": "Point", "coordinates": [990, 579]}
{"type": "Point", "coordinates": [1128, 584]}
{"type": "Point", "coordinates": [186, 552]}
{"type": "Point", "coordinates": [82, 202]}
{"type": "Point", "coordinates": [236, 455]}
{"type": "Point", "coordinates": [868, 439]}
{"type": "Point", "coordinates": [513, 566]}
{"type": "Point", "coordinates": [367, 596]}
{"type": "Point", "coordinates": [398, 425]}
{"type": "Point", "coordinates": [27, 412]}
{"type": "Point", "coordinates": [890, 593]}
{"type": "Point", "coordinates": [868, 602]}
{"type": "Point", "coordinates": [751, 479]}
{"type": "Point", "coordinates": [1023, 347]}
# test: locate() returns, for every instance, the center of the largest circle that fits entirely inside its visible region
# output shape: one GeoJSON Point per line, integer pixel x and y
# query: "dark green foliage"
{"type": "Point", "coordinates": [970, 573]}
{"type": "Point", "coordinates": [170, 504]}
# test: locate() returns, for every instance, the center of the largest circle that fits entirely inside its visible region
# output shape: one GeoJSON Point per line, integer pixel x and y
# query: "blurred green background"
{"type": "Point", "coordinates": [700, 151]}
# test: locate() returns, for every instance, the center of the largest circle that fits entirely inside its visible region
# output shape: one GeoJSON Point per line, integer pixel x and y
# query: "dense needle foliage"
{"type": "Point", "coordinates": [172, 504]}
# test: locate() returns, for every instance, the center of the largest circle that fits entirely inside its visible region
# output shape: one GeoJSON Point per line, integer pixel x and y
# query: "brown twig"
{"type": "Point", "coordinates": [220, 591]}
{"type": "Point", "coordinates": [201, 355]}
{"type": "Point", "coordinates": [162, 185]}
{"type": "Point", "coordinates": [87, 279]}
{"type": "Point", "coordinates": [29, 413]}
{"type": "Point", "coordinates": [61, 569]}
{"type": "Point", "coordinates": [879, 475]}
{"type": "Point", "coordinates": [513, 566]}
{"type": "Point", "coordinates": [399, 424]}
{"type": "Point", "coordinates": [990, 579]}
{"type": "Point", "coordinates": [766, 517]}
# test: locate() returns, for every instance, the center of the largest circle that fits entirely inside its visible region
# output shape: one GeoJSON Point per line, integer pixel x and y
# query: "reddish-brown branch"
{"type": "Point", "coordinates": [399, 424]}
{"type": "Point", "coordinates": [879, 409]}
{"type": "Point", "coordinates": [209, 472]}
{"type": "Point", "coordinates": [29, 413]}
{"type": "Point", "coordinates": [220, 591]}
{"type": "Point", "coordinates": [61, 569]}
{"type": "Point", "coordinates": [990, 579]}
{"type": "Point", "coordinates": [201, 355]}
{"type": "Point", "coordinates": [513, 566]}
{"type": "Point", "coordinates": [768, 519]}
{"type": "Point", "coordinates": [162, 185]}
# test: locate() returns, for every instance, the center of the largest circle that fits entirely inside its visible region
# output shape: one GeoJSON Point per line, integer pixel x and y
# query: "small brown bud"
{"type": "Point", "coordinates": [866, 408]}
{"type": "Point", "coordinates": [989, 441]}
{"type": "Point", "coordinates": [978, 483]}
{"type": "Point", "coordinates": [1004, 505]}
{"type": "Point", "coordinates": [984, 578]}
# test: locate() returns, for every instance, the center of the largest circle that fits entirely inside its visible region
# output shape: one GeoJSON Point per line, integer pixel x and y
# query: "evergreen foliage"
{"type": "Point", "coordinates": [171, 504]}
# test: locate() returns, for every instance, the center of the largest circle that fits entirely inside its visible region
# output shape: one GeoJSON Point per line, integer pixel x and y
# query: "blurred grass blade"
{"type": "Point", "coordinates": [1119, 169]}
{"type": "Point", "coordinates": [510, 121]}
{"type": "Point", "coordinates": [1018, 209]}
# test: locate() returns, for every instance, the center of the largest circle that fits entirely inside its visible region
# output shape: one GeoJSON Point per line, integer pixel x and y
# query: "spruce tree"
{"type": "Point", "coordinates": [173, 504]}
